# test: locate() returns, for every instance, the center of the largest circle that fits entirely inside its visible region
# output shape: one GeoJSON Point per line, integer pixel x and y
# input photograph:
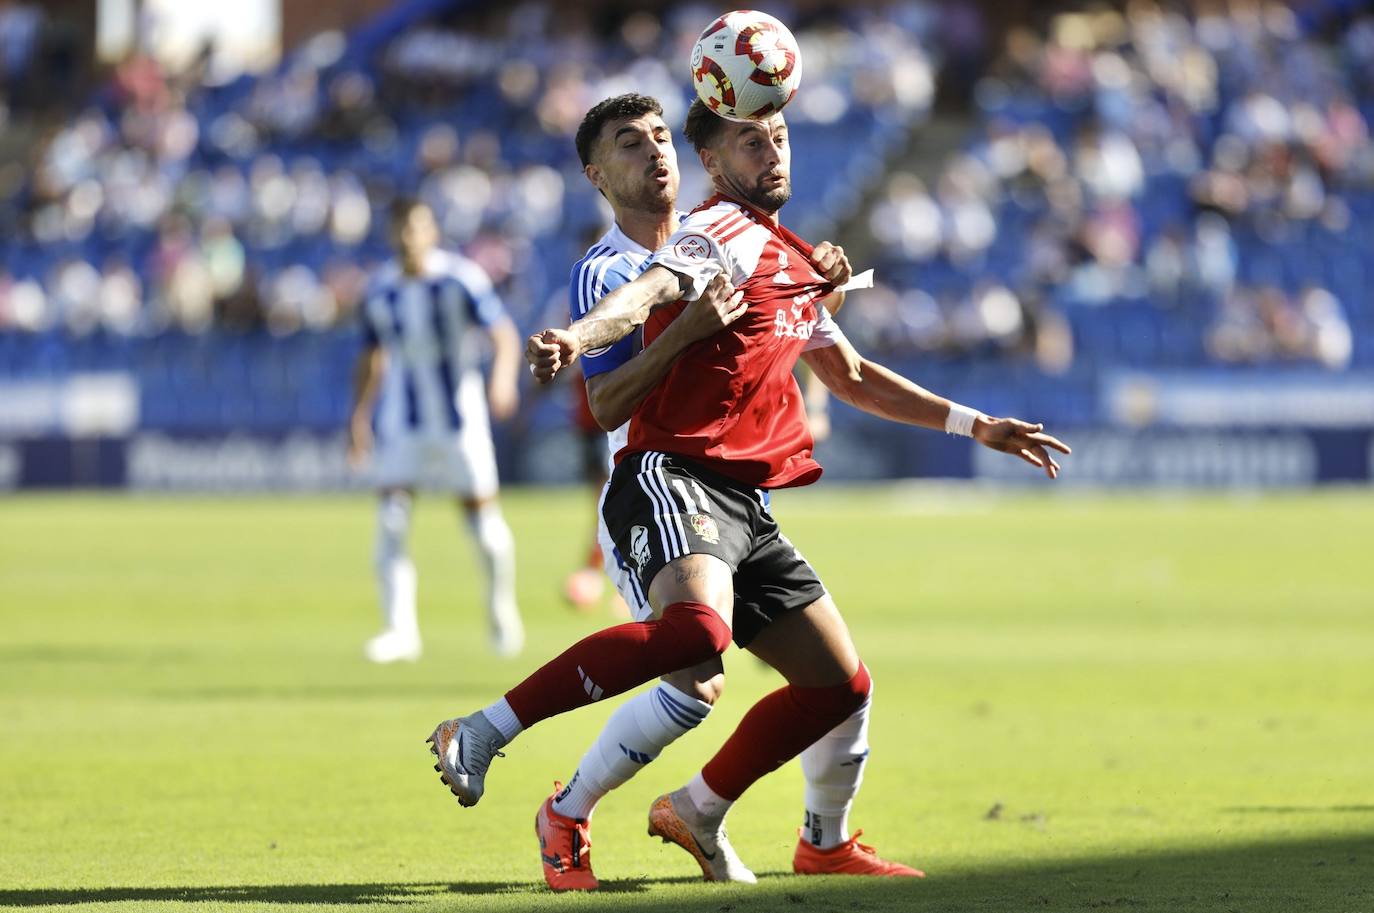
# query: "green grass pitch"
{"type": "Point", "coordinates": [1169, 701]}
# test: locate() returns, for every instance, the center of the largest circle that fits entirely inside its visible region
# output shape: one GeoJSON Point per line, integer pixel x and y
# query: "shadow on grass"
{"type": "Point", "coordinates": [373, 893]}
{"type": "Point", "coordinates": [1295, 876]}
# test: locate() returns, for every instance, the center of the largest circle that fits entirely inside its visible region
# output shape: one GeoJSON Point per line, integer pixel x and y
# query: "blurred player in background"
{"type": "Point", "coordinates": [422, 319]}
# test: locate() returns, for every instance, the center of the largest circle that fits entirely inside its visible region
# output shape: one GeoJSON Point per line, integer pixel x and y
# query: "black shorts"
{"type": "Point", "coordinates": [660, 507]}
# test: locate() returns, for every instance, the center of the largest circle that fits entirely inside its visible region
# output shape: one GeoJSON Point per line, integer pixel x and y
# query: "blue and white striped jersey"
{"type": "Point", "coordinates": [424, 324]}
{"type": "Point", "coordinates": [610, 263]}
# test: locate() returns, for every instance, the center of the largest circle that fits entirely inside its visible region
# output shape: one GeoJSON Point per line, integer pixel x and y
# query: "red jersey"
{"type": "Point", "coordinates": [730, 401]}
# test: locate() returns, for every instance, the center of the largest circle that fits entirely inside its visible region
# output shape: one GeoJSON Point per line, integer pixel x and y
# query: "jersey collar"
{"type": "Point", "coordinates": [784, 234]}
{"type": "Point", "coordinates": [623, 242]}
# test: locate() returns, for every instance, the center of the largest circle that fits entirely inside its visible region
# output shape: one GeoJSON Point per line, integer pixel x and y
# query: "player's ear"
{"type": "Point", "coordinates": [708, 160]}
{"type": "Point", "coordinates": [593, 174]}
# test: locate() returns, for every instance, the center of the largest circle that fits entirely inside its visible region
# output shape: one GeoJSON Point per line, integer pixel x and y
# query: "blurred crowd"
{"type": "Point", "coordinates": [39, 57]}
{"type": "Point", "coordinates": [1146, 154]}
{"type": "Point", "coordinates": [174, 203]}
{"type": "Point", "coordinates": [1213, 164]}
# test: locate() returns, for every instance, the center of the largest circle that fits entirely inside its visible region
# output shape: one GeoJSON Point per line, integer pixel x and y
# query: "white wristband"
{"type": "Point", "coordinates": [961, 419]}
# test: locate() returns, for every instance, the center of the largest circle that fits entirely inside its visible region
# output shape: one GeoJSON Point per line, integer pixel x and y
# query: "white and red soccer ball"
{"type": "Point", "coordinates": [746, 65]}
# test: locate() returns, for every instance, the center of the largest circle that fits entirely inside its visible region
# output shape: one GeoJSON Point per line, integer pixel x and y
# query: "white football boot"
{"type": "Point", "coordinates": [393, 646]}
{"type": "Point", "coordinates": [465, 747]}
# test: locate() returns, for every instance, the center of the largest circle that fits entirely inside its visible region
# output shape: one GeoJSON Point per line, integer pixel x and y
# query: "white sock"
{"type": "Point", "coordinates": [707, 801]}
{"type": "Point", "coordinates": [504, 719]}
{"type": "Point", "coordinates": [395, 570]}
{"type": "Point", "coordinates": [639, 729]}
{"type": "Point", "coordinates": [834, 769]}
{"type": "Point", "coordinates": [496, 548]}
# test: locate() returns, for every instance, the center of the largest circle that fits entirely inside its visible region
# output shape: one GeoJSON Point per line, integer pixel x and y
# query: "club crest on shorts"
{"type": "Point", "coordinates": [639, 547]}
{"type": "Point", "coordinates": [706, 528]}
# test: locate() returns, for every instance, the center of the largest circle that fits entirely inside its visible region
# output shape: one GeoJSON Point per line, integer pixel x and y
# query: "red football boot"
{"type": "Point", "coordinates": [565, 848]}
{"type": "Point", "coordinates": [849, 858]}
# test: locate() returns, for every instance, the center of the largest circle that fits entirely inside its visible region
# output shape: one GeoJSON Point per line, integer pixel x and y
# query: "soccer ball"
{"type": "Point", "coordinates": [746, 65]}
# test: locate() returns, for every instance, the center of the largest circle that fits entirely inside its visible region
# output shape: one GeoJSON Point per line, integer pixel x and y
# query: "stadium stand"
{"type": "Point", "coordinates": [1141, 189]}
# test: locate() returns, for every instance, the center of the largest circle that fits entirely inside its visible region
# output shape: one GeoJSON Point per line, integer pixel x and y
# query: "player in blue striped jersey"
{"type": "Point", "coordinates": [419, 371]}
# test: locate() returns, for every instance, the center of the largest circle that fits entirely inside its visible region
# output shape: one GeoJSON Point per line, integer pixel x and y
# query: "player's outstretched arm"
{"type": "Point", "coordinates": [615, 395]}
{"type": "Point", "coordinates": [869, 386]}
{"type": "Point", "coordinates": [503, 387]}
{"type": "Point", "coordinates": [612, 319]}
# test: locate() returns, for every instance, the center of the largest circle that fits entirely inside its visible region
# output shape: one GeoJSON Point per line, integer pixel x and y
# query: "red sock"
{"type": "Point", "coordinates": [617, 659]}
{"type": "Point", "coordinates": [593, 556]}
{"type": "Point", "coordinates": [778, 728]}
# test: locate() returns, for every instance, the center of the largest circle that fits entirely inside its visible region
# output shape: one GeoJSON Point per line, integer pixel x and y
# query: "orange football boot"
{"type": "Point", "coordinates": [849, 858]}
{"type": "Point", "coordinates": [565, 848]}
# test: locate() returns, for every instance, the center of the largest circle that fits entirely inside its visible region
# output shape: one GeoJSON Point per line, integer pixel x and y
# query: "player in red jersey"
{"type": "Point", "coordinates": [688, 501]}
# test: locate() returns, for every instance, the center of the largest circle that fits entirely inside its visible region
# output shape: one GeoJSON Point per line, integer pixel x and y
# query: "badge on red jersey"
{"type": "Point", "coordinates": [693, 247]}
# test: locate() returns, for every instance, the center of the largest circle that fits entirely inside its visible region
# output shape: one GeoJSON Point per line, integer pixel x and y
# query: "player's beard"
{"type": "Point", "coordinates": [647, 196]}
{"type": "Point", "coordinates": [769, 200]}
{"type": "Point", "coordinates": [655, 199]}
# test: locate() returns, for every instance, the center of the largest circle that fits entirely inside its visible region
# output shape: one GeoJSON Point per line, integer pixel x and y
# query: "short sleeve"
{"type": "Point", "coordinates": [695, 254]}
{"type": "Point", "coordinates": [827, 333]}
{"type": "Point", "coordinates": [483, 304]}
{"type": "Point", "coordinates": [592, 280]}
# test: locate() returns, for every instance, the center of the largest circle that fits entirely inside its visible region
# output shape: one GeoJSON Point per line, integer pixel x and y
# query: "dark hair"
{"type": "Point", "coordinates": [631, 104]}
{"type": "Point", "coordinates": [703, 126]}
{"type": "Point", "coordinates": [402, 206]}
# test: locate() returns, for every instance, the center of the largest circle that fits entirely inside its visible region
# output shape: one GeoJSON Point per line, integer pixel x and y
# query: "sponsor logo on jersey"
{"type": "Point", "coordinates": [791, 325]}
{"type": "Point", "coordinates": [781, 278]}
{"type": "Point", "coordinates": [639, 547]}
{"type": "Point", "coordinates": [789, 328]}
{"type": "Point", "coordinates": [693, 247]}
{"type": "Point", "coordinates": [706, 528]}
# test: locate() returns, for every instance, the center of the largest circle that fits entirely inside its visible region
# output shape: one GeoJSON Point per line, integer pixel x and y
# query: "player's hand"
{"type": "Point", "coordinates": [503, 399]}
{"type": "Point", "coordinates": [1020, 439]}
{"type": "Point", "coordinates": [550, 352]}
{"type": "Point", "coordinates": [719, 306]}
{"type": "Point", "coordinates": [830, 260]}
{"type": "Point", "coordinates": [359, 441]}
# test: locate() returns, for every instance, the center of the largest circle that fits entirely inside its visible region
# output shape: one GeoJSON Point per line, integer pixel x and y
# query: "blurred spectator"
{"type": "Point", "coordinates": [120, 297]}
{"type": "Point", "coordinates": [21, 26]}
{"type": "Point", "coordinates": [1259, 326]}
{"type": "Point", "coordinates": [1328, 337]}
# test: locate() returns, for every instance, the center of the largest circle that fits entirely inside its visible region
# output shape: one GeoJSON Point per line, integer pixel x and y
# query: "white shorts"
{"type": "Point", "coordinates": [625, 580]}
{"type": "Point", "coordinates": [462, 463]}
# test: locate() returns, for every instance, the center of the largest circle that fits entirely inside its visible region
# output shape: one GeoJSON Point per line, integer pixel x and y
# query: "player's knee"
{"type": "Point", "coordinates": [710, 690]}
{"type": "Point", "coordinates": [699, 630]}
{"type": "Point", "coordinates": [858, 689]}
{"type": "Point", "coordinates": [393, 522]}
{"type": "Point", "coordinates": [704, 681]}
{"type": "Point", "coordinates": [837, 702]}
